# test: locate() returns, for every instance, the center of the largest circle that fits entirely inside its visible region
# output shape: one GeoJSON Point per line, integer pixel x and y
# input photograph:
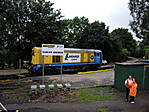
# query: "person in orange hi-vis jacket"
{"type": "Point", "coordinates": [133, 91]}
{"type": "Point", "coordinates": [128, 83]}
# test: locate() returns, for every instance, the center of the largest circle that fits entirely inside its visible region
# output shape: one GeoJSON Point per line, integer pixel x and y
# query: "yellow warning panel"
{"type": "Point", "coordinates": [94, 71]}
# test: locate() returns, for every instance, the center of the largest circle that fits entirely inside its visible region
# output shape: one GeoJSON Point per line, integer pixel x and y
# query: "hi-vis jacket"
{"type": "Point", "coordinates": [133, 89]}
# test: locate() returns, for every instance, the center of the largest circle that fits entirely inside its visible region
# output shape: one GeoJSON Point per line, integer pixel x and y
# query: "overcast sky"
{"type": "Point", "coordinates": [115, 13]}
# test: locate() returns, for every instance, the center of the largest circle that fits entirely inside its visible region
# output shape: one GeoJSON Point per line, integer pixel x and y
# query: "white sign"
{"type": "Point", "coordinates": [52, 49]}
{"type": "Point", "coordinates": [71, 57]}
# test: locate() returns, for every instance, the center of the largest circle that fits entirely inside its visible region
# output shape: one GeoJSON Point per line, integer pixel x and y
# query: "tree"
{"type": "Point", "coordinates": [9, 31]}
{"type": "Point", "coordinates": [95, 35]}
{"type": "Point", "coordinates": [124, 39]}
{"type": "Point", "coordinates": [140, 23]}
{"type": "Point", "coordinates": [146, 50]}
{"type": "Point", "coordinates": [43, 23]}
{"type": "Point", "coordinates": [73, 31]}
{"type": "Point", "coordinates": [27, 23]}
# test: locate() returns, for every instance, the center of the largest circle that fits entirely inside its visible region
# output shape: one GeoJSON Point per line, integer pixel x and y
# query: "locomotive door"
{"type": "Point", "coordinates": [97, 57]}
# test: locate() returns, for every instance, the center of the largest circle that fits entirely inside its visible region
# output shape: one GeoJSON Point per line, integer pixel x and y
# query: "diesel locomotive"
{"type": "Point", "coordinates": [80, 59]}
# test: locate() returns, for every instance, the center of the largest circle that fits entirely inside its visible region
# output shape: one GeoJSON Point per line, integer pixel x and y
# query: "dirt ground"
{"type": "Point", "coordinates": [106, 78]}
{"type": "Point", "coordinates": [117, 104]}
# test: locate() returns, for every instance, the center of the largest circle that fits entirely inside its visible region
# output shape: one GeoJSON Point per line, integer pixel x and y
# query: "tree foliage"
{"type": "Point", "coordinates": [74, 30]}
{"type": "Point", "coordinates": [125, 45]}
{"type": "Point", "coordinates": [28, 23]}
{"type": "Point", "coordinates": [95, 35]}
{"type": "Point", "coordinates": [25, 24]}
{"type": "Point", "coordinates": [124, 39]}
{"type": "Point", "coordinates": [140, 14]}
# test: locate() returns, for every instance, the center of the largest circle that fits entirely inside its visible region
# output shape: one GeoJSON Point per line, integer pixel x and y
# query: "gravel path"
{"type": "Point", "coordinates": [87, 80]}
{"type": "Point", "coordinates": [13, 71]}
{"type": "Point", "coordinates": [77, 80]}
{"type": "Point", "coordinates": [105, 78]}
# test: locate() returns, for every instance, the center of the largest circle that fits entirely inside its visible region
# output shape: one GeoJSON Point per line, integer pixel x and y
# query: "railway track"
{"type": "Point", "coordinates": [13, 76]}
{"type": "Point", "coordinates": [23, 75]}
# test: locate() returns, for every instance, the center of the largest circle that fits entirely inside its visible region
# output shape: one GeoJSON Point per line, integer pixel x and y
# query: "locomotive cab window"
{"type": "Point", "coordinates": [97, 54]}
{"type": "Point", "coordinates": [56, 59]}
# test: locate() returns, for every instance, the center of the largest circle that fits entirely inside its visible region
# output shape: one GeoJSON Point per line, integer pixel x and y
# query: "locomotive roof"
{"type": "Point", "coordinates": [81, 50]}
{"type": "Point", "coordinates": [77, 50]}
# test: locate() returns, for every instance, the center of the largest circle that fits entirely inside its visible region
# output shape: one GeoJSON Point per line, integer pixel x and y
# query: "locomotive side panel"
{"type": "Point", "coordinates": [47, 59]}
{"type": "Point", "coordinates": [85, 57]}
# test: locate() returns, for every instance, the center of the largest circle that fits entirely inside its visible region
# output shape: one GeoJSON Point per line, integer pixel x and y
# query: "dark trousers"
{"type": "Point", "coordinates": [127, 93]}
{"type": "Point", "coordinates": [132, 98]}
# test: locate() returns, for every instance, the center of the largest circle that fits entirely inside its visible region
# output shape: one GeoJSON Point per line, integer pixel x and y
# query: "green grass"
{"type": "Point", "coordinates": [7, 90]}
{"type": "Point", "coordinates": [85, 96]}
{"type": "Point", "coordinates": [103, 110]}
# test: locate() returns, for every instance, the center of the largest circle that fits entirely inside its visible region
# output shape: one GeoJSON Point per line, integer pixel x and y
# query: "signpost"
{"type": "Point", "coordinates": [51, 50]}
{"type": "Point", "coordinates": [42, 69]}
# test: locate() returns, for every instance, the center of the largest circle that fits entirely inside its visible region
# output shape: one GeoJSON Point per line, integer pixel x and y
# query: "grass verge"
{"type": "Point", "coordinates": [103, 110]}
{"type": "Point", "coordinates": [83, 95]}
